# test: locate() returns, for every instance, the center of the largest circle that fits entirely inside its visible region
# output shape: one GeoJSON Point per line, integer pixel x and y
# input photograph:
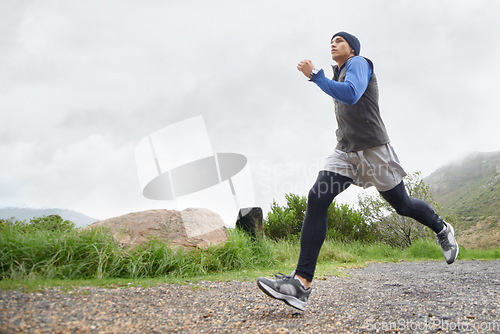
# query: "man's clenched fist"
{"type": "Point", "coordinates": [305, 66]}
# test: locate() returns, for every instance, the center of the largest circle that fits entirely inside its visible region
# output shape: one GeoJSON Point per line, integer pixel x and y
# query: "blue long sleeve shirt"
{"type": "Point", "coordinates": [358, 74]}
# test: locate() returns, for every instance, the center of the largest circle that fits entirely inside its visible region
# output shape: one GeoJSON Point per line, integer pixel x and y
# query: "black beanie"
{"type": "Point", "coordinates": [352, 40]}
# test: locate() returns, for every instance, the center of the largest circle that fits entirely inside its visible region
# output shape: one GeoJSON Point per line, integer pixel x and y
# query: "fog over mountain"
{"type": "Point", "coordinates": [469, 187]}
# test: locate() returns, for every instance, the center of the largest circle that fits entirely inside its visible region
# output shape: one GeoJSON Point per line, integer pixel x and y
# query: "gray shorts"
{"type": "Point", "coordinates": [377, 166]}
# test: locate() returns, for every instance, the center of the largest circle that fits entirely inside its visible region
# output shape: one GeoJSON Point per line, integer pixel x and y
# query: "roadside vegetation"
{"type": "Point", "coordinates": [50, 251]}
{"type": "Point", "coordinates": [31, 255]}
{"type": "Point", "coordinates": [50, 248]}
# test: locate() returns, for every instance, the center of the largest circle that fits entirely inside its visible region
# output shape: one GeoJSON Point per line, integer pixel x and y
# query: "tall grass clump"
{"type": "Point", "coordinates": [42, 249]}
{"type": "Point", "coordinates": [424, 249]}
{"type": "Point", "coordinates": [157, 258]}
{"type": "Point", "coordinates": [239, 252]}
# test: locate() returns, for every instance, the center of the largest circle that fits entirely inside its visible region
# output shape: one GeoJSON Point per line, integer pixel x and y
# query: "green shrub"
{"type": "Point", "coordinates": [285, 222]}
{"type": "Point", "coordinates": [347, 224]}
{"type": "Point", "coordinates": [46, 223]}
{"type": "Point", "coordinates": [343, 222]}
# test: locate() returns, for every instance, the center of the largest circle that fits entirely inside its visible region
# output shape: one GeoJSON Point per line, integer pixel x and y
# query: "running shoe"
{"type": "Point", "coordinates": [286, 288]}
{"type": "Point", "coordinates": [446, 239]}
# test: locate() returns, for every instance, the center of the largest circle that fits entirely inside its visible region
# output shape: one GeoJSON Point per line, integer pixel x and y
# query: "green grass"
{"type": "Point", "coordinates": [32, 259]}
{"type": "Point", "coordinates": [92, 254]}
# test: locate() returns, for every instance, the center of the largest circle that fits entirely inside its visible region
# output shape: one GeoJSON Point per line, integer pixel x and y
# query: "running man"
{"type": "Point", "coordinates": [363, 156]}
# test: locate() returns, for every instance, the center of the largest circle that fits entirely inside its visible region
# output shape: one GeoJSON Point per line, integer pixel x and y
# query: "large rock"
{"type": "Point", "coordinates": [189, 228]}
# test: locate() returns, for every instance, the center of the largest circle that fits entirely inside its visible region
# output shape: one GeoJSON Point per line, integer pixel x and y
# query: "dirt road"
{"type": "Point", "coordinates": [423, 297]}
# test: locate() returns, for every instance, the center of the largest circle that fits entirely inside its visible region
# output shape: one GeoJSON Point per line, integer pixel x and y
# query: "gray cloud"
{"type": "Point", "coordinates": [82, 84]}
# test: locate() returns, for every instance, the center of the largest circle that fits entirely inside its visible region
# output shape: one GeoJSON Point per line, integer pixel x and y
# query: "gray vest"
{"type": "Point", "coordinates": [360, 125]}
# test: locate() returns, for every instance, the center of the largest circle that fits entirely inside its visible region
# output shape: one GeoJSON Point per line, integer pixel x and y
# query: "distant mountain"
{"type": "Point", "coordinates": [470, 187]}
{"type": "Point", "coordinates": [470, 190]}
{"type": "Point", "coordinates": [79, 219]}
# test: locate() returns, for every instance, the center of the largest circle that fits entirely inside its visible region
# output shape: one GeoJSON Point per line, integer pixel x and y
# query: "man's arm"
{"type": "Point", "coordinates": [358, 74]}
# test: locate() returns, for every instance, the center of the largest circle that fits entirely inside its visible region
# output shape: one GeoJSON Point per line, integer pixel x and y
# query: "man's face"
{"type": "Point", "coordinates": [341, 50]}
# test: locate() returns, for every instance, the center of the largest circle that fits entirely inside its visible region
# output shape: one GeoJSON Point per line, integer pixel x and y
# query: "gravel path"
{"type": "Point", "coordinates": [406, 297]}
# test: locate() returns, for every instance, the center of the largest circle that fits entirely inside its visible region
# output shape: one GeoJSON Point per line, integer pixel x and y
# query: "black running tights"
{"type": "Point", "coordinates": [327, 186]}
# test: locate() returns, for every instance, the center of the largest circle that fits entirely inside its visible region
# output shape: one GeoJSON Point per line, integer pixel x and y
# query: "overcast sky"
{"type": "Point", "coordinates": [82, 82]}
